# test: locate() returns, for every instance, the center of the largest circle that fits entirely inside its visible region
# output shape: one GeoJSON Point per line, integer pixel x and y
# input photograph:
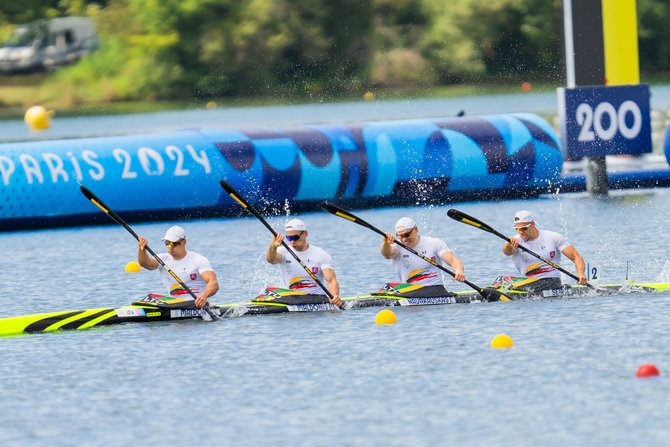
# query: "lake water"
{"type": "Point", "coordinates": [337, 378]}
{"type": "Point", "coordinates": [544, 103]}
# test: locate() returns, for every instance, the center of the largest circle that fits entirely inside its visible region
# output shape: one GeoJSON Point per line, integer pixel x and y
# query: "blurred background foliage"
{"type": "Point", "coordinates": [180, 49]}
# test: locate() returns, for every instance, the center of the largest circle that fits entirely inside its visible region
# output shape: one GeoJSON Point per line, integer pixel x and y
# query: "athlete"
{"type": "Point", "coordinates": [192, 268]}
{"type": "Point", "coordinates": [412, 269]}
{"type": "Point", "coordinates": [538, 274]}
{"type": "Point", "coordinates": [293, 275]}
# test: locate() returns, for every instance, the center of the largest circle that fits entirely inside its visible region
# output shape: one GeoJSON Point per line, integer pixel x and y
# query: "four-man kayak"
{"type": "Point", "coordinates": [158, 308]}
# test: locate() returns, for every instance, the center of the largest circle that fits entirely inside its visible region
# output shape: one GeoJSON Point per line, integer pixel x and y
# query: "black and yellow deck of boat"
{"type": "Point", "coordinates": [68, 320]}
{"type": "Point", "coordinates": [86, 319]}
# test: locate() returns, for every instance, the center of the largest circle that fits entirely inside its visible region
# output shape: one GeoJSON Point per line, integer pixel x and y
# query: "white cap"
{"type": "Point", "coordinates": [404, 223]}
{"type": "Point", "coordinates": [523, 216]}
{"type": "Point", "coordinates": [174, 234]}
{"type": "Point", "coordinates": [295, 225]}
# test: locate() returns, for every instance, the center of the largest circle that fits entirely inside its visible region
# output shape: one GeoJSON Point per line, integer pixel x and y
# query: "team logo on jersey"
{"type": "Point", "coordinates": [419, 275]}
{"type": "Point", "coordinates": [552, 254]}
{"type": "Point", "coordinates": [315, 270]}
{"type": "Point", "coordinates": [194, 276]}
{"type": "Point", "coordinates": [177, 289]}
{"type": "Point", "coordinates": [300, 282]}
{"type": "Point", "coordinates": [538, 269]}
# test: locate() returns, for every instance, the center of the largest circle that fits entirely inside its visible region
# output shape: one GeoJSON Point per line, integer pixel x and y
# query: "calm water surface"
{"type": "Point", "coordinates": [337, 378]}
{"type": "Point", "coordinates": [544, 103]}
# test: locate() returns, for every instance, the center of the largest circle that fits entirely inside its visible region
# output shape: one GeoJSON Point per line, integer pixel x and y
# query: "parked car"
{"type": "Point", "coordinates": [47, 44]}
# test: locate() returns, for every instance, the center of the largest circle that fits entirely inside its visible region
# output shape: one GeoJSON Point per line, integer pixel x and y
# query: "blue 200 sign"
{"type": "Point", "coordinates": [602, 121]}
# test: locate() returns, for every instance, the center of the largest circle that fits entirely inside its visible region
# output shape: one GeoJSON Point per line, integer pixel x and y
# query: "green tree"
{"type": "Point", "coordinates": [653, 18]}
{"type": "Point", "coordinates": [470, 38]}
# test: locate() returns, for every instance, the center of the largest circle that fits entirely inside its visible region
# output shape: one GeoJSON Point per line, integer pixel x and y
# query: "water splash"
{"type": "Point", "coordinates": [664, 274]}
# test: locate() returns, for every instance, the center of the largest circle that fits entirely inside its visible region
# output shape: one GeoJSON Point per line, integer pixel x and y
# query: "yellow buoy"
{"type": "Point", "coordinates": [133, 267]}
{"type": "Point", "coordinates": [385, 317]}
{"type": "Point", "coordinates": [502, 341]}
{"type": "Point", "coordinates": [368, 96]}
{"type": "Point", "coordinates": [37, 118]}
{"type": "Point", "coordinates": [211, 105]}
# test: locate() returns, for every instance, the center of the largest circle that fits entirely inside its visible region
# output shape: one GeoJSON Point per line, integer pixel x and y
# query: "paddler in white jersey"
{"type": "Point", "coordinates": [192, 268]}
{"type": "Point", "coordinates": [547, 244]}
{"type": "Point", "coordinates": [412, 269]}
{"type": "Point", "coordinates": [293, 275]}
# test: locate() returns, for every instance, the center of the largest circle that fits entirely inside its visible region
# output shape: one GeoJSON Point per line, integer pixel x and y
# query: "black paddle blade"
{"type": "Point", "coordinates": [490, 294]}
{"type": "Point", "coordinates": [93, 198]}
{"type": "Point", "coordinates": [334, 209]}
{"type": "Point", "coordinates": [467, 219]}
{"type": "Point", "coordinates": [234, 194]}
{"type": "Point", "coordinates": [341, 212]}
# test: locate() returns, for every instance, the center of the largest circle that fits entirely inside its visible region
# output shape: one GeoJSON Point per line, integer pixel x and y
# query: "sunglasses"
{"type": "Point", "coordinates": [295, 237]}
{"type": "Point", "coordinates": [522, 229]}
{"type": "Point", "coordinates": [405, 235]}
{"type": "Point", "coordinates": [173, 244]}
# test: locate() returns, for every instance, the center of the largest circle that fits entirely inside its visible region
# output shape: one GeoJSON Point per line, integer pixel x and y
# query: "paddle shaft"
{"type": "Point", "coordinates": [239, 199]}
{"type": "Point", "coordinates": [100, 204]}
{"type": "Point", "coordinates": [349, 216]}
{"type": "Point", "coordinates": [466, 219]}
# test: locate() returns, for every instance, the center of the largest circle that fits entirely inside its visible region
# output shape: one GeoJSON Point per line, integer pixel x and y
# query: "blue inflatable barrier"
{"type": "Point", "coordinates": [177, 174]}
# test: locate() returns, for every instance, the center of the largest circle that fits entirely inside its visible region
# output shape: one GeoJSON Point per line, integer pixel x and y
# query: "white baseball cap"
{"type": "Point", "coordinates": [174, 234]}
{"type": "Point", "coordinates": [404, 223]}
{"type": "Point", "coordinates": [295, 225]}
{"type": "Point", "coordinates": [523, 216]}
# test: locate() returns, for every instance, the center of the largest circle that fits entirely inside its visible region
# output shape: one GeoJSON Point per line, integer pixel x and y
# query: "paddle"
{"type": "Point", "coordinates": [242, 201]}
{"type": "Point", "coordinates": [466, 219]}
{"type": "Point", "coordinates": [487, 293]}
{"type": "Point", "coordinates": [100, 204]}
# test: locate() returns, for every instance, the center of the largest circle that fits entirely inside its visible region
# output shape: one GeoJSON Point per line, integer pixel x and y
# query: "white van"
{"type": "Point", "coordinates": [47, 44]}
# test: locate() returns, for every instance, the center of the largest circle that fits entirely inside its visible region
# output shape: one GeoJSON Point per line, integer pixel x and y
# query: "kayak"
{"type": "Point", "coordinates": [159, 308]}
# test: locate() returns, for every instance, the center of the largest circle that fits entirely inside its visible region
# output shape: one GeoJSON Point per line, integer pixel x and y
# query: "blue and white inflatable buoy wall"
{"type": "Point", "coordinates": [177, 174]}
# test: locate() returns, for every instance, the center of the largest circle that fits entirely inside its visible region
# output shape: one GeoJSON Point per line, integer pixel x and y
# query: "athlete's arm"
{"type": "Point", "coordinates": [572, 253]}
{"type": "Point", "coordinates": [333, 286]}
{"type": "Point", "coordinates": [143, 258]}
{"type": "Point", "coordinates": [510, 247]}
{"type": "Point", "coordinates": [450, 258]}
{"type": "Point", "coordinates": [211, 289]}
{"type": "Point", "coordinates": [388, 248]}
{"type": "Point", "coordinates": [272, 255]}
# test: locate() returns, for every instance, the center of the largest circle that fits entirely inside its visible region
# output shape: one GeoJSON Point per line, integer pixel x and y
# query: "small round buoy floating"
{"type": "Point", "coordinates": [211, 105]}
{"type": "Point", "coordinates": [502, 341]}
{"type": "Point", "coordinates": [133, 267]}
{"type": "Point", "coordinates": [526, 86]}
{"type": "Point", "coordinates": [385, 317]}
{"type": "Point", "coordinates": [647, 370]}
{"type": "Point", "coordinates": [368, 96]}
{"type": "Point", "coordinates": [38, 118]}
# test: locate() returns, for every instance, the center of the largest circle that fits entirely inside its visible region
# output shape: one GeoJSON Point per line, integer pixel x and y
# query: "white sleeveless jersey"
{"type": "Point", "coordinates": [295, 277]}
{"type": "Point", "coordinates": [413, 270]}
{"type": "Point", "coordinates": [189, 269]}
{"type": "Point", "coordinates": [549, 245]}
